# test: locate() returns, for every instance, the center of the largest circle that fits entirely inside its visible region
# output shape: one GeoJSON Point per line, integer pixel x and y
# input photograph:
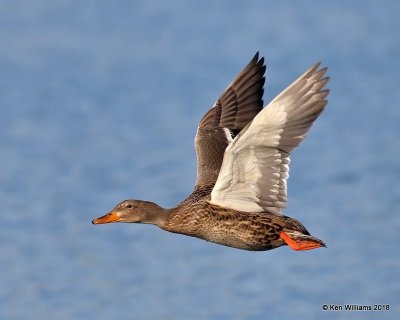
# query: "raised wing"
{"type": "Point", "coordinates": [238, 105]}
{"type": "Point", "coordinates": [256, 163]}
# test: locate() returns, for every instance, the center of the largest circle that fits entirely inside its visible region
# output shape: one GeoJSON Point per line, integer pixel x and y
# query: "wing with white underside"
{"type": "Point", "coordinates": [256, 163]}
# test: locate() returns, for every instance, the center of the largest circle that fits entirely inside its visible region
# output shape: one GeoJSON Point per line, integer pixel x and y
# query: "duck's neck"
{"type": "Point", "coordinates": [156, 215]}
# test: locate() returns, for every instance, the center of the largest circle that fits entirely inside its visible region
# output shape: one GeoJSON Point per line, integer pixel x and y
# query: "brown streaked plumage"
{"type": "Point", "coordinates": [242, 167]}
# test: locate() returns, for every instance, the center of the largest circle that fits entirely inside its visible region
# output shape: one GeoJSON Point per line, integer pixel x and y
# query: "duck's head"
{"type": "Point", "coordinates": [134, 211]}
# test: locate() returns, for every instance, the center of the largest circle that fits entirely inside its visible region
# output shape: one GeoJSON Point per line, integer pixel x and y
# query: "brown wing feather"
{"type": "Point", "coordinates": [234, 109]}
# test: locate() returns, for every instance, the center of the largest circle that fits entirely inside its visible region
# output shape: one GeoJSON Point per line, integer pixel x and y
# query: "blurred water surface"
{"type": "Point", "coordinates": [100, 101]}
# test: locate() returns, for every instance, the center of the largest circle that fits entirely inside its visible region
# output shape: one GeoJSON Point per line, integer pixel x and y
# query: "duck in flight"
{"type": "Point", "coordinates": [243, 160]}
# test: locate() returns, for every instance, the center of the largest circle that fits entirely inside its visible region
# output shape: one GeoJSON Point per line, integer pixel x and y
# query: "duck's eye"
{"type": "Point", "coordinates": [129, 206]}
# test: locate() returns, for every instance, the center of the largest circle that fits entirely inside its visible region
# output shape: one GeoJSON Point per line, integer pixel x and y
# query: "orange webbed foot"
{"type": "Point", "coordinates": [300, 242]}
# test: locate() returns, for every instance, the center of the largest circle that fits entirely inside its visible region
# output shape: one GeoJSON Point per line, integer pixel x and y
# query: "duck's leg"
{"type": "Point", "coordinates": [298, 241]}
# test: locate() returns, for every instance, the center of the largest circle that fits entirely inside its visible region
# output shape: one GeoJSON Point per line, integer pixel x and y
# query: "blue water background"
{"type": "Point", "coordinates": [100, 101]}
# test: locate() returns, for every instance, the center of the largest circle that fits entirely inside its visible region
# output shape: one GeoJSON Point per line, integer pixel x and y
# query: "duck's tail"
{"type": "Point", "coordinates": [299, 241]}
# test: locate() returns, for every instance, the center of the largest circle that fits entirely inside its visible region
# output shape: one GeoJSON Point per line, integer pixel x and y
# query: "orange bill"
{"type": "Point", "coordinates": [301, 244]}
{"type": "Point", "coordinates": [109, 217]}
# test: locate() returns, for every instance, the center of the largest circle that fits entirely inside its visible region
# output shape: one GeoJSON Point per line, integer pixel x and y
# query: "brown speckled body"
{"type": "Point", "coordinates": [197, 217]}
{"type": "Point", "coordinates": [255, 231]}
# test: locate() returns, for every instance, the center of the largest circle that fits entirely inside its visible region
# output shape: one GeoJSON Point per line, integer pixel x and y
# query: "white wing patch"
{"type": "Point", "coordinates": [228, 135]}
{"type": "Point", "coordinates": [251, 165]}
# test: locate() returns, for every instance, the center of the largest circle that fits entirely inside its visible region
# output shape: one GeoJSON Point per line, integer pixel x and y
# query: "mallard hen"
{"type": "Point", "coordinates": [243, 160]}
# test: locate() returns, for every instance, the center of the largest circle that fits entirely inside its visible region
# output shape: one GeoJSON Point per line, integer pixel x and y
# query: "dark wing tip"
{"type": "Point", "coordinates": [255, 58]}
